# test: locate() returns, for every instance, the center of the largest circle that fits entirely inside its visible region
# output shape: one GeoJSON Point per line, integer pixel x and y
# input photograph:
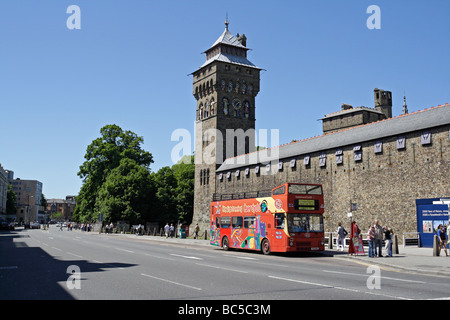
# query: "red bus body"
{"type": "Point", "coordinates": [290, 219]}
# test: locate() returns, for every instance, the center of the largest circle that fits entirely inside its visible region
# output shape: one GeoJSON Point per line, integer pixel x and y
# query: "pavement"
{"type": "Point", "coordinates": [409, 259]}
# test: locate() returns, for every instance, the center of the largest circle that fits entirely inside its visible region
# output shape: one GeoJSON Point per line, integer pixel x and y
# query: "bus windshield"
{"type": "Point", "coordinates": [304, 189]}
{"type": "Point", "coordinates": [301, 222]}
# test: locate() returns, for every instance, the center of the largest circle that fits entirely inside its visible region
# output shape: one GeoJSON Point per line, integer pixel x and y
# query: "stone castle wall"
{"type": "Point", "coordinates": [383, 185]}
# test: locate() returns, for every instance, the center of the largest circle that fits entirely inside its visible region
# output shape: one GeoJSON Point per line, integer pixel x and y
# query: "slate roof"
{"type": "Point", "coordinates": [226, 38]}
{"type": "Point", "coordinates": [420, 120]}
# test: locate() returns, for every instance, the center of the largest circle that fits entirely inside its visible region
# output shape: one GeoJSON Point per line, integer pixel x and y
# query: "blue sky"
{"type": "Point", "coordinates": [129, 65]}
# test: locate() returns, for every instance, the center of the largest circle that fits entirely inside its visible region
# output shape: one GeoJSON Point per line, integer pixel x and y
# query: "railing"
{"type": "Point", "coordinates": [242, 195]}
{"type": "Point", "coordinates": [411, 239]}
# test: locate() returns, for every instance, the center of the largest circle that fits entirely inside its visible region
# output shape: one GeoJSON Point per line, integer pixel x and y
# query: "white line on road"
{"type": "Point", "coordinates": [9, 268]}
{"type": "Point", "coordinates": [73, 254]}
{"type": "Point", "coordinates": [227, 269]}
{"type": "Point", "coordinates": [338, 288]}
{"type": "Point", "coordinates": [169, 281]}
{"type": "Point", "coordinates": [56, 248]}
{"type": "Point", "coordinates": [239, 257]}
{"type": "Point", "coordinates": [159, 257]}
{"type": "Point", "coordinates": [187, 257]}
{"type": "Point", "coordinates": [125, 250]}
{"type": "Point", "coordinates": [366, 275]}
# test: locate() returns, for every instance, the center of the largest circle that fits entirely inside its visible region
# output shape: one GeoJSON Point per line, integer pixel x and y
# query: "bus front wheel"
{"type": "Point", "coordinates": [225, 244]}
{"type": "Point", "coordinates": [265, 246]}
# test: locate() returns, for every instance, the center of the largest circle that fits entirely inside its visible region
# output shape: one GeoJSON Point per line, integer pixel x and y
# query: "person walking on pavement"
{"type": "Point", "coordinates": [166, 230]}
{"type": "Point", "coordinates": [443, 239]}
{"type": "Point", "coordinates": [196, 230]}
{"type": "Point", "coordinates": [171, 230]}
{"type": "Point", "coordinates": [388, 240]}
{"type": "Point", "coordinates": [378, 238]}
{"type": "Point", "coordinates": [341, 237]}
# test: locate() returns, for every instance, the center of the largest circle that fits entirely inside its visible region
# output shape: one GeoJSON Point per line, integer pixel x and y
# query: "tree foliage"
{"type": "Point", "coordinates": [127, 193]}
{"type": "Point", "coordinates": [117, 183]}
{"type": "Point", "coordinates": [103, 155]}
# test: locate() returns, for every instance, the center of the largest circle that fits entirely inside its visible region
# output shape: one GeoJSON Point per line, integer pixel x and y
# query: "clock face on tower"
{"type": "Point", "coordinates": [236, 104]}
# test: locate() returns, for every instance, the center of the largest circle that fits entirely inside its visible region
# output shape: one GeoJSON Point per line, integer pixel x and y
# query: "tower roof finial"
{"type": "Point", "coordinates": [226, 22]}
{"type": "Point", "coordinates": [405, 107]}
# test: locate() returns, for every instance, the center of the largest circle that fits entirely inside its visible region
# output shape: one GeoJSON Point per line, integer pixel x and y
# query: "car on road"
{"type": "Point", "coordinates": [35, 225]}
{"type": "Point", "coordinates": [5, 225]}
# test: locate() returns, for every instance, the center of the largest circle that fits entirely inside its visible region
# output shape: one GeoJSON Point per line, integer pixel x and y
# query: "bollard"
{"type": "Point", "coordinates": [395, 245]}
{"type": "Point", "coordinates": [436, 250]}
{"type": "Point", "coordinates": [330, 241]}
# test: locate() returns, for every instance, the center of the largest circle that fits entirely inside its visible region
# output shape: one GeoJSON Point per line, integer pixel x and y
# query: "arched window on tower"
{"type": "Point", "coordinates": [201, 111]}
{"type": "Point", "coordinates": [212, 108]}
{"type": "Point", "coordinates": [206, 109]}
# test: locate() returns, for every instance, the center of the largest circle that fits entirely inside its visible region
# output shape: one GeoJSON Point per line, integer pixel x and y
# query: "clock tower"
{"type": "Point", "coordinates": [225, 87]}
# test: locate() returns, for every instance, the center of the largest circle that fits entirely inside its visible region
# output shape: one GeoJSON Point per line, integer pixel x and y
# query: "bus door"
{"type": "Point", "coordinates": [279, 239]}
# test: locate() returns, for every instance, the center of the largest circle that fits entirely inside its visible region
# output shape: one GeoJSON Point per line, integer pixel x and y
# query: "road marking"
{"type": "Point", "coordinates": [56, 248]}
{"type": "Point", "coordinates": [125, 250]}
{"type": "Point", "coordinates": [187, 257]}
{"type": "Point", "coordinates": [366, 275]}
{"type": "Point", "coordinates": [222, 268]}
{"type": "Point", "coordinates": [173, 282]}
{"type": "Point", "coordinates": [239, 257]}
{"type": "Point", "coordinates": [159, 257]}
{"type": "Point", "coordinates": [9, 268]}
{"type": "Point", "coordinates": [339, 288]}
{"type": "Point", "coordinates": [73, 254]}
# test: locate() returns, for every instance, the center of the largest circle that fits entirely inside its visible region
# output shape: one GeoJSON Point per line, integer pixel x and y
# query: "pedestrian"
{"type": "Point", "coordinates": [388, 241]}
{"type": "Point", "coordinates": [138, 229]}
{"type": "Point", "coordinates": [341, 236]}
{"type": "Point", "coordinates": [354, 236]}
{"type": "Point", "coordinates": [166, 230]}
{"type": "Point", "coordinates": [378, 238]}
{"type": "Point", "coordinates": [171, 230]}
{"type": "Point", "coordinates": [371, 241]}
{"type": "Point", "coordinates": [196, 231]}
{"type": "Point", "coordinates": [443, 239]}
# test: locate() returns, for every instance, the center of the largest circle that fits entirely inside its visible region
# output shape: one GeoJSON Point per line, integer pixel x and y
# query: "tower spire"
{"type": "Point", "coordinates": [405, 107]}
{"type": "Point", "coordinates": [226, 22]}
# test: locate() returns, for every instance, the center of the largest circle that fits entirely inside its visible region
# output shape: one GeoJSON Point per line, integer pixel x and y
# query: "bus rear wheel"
{"type": "Point", "coordinates": [225, 244]}
{"type": "Point", "coordinates": [265, 246]}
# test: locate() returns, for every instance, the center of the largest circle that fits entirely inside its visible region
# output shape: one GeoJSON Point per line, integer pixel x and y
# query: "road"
{"type": "Point", "coordinates": [35, 264]}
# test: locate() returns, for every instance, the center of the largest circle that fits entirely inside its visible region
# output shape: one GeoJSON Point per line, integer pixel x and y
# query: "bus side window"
{"type": "Point", "coordinates": [279, 220]}
{"type": "Point", "coordinates": [249, 222]}
{"type": "Point", "coordinates": [217, 222]}
{"type": "Point", "coordinates": [237, 222]}
{"type": "Point", "coordinates": [225, 222]}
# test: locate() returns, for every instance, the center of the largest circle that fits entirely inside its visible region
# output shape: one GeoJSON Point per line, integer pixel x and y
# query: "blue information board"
{"type": "Point", "coordinates": [429, 216]}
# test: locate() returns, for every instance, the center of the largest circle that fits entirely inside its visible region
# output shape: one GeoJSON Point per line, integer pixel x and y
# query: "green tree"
{"type": "Point", "coordinates": [175, 192]}
{"type": "Point", "coordinates": [10, 200]}
{"type": "Point", "coordinates": [165, 206]}
{"type": "Point", "coordinates": [102, 156]}
{"type": "Point", "coordinates": [127, 194]}
{"type": "Point", "coordinates": [185, 174]}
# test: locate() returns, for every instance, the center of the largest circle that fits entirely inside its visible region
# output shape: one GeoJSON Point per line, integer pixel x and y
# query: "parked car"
{"type": "Point", "coordinates": [35, 225]}
{"type": "Point", "coordinates": [5, 225]}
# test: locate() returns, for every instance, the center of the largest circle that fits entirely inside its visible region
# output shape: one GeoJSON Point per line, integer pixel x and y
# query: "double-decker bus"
{"type": "Point", "coordinates": [287, 219]}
